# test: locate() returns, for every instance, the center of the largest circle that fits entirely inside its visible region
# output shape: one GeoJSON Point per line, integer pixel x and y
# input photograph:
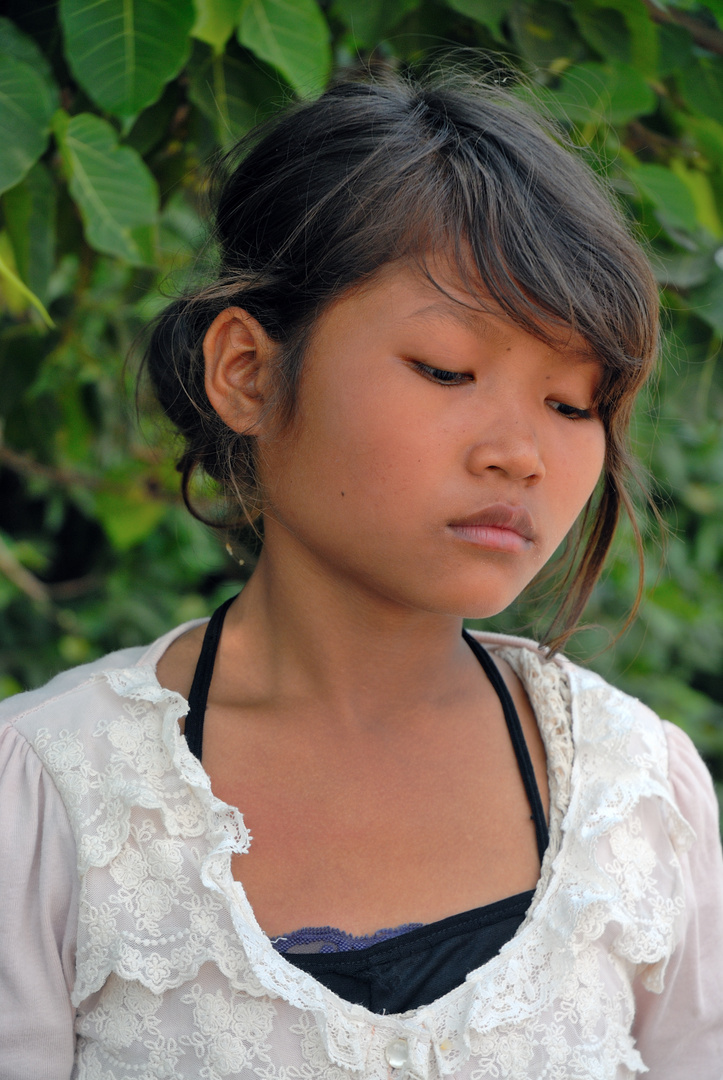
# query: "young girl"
{"type": "Point", "coordinates": [460, 855]}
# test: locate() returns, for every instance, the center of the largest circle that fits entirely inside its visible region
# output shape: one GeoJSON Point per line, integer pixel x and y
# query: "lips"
{"type": "Point", "coordinates": [500, 526]}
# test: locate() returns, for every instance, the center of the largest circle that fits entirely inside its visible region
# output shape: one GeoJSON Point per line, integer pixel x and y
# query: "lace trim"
{"type": "Point", "coordinates": [330, 939]}
{"type": "Point", "coordinates": [145, 818]}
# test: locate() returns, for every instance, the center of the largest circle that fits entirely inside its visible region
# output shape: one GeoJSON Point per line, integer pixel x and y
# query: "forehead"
{"type": "Point", "coordinates": [434, 295]}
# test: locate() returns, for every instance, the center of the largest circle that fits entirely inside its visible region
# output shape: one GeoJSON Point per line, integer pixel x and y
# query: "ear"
{"type": "Point", "coordinates": [238, 352]}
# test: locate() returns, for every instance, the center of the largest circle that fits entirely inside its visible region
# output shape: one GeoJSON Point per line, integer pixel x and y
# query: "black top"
{"type": "Point", "coordinates": [420, 965]}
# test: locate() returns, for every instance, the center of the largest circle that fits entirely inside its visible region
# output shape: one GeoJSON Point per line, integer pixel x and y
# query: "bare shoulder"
{"type": "Point", "coordinates": [175, 668]}
{"type": "Point", "coordinates": [528, 721]}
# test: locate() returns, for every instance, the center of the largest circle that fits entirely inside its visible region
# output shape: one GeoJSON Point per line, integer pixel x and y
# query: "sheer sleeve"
{"type": "Point", "coordinates": [38, 921]}
{"type": "Point", "coordinates": [680, 1031]}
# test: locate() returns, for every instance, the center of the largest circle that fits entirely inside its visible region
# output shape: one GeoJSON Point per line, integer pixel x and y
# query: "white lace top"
{"type": "Point", "coordinates": [127, 949]}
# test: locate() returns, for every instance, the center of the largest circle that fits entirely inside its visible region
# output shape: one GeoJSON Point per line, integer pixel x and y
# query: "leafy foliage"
{"type": "Point", "coordinates": [108, 113]}
{"type": "Point", "coordinates": [123, 52]}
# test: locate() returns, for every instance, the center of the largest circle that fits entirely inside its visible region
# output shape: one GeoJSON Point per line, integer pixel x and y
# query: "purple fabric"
{"type": "Point", "coordinates": [328, 939]}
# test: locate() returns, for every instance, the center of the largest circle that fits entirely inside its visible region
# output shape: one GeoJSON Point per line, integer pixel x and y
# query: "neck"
{"type": "Point", "coordinates": [305, 635]}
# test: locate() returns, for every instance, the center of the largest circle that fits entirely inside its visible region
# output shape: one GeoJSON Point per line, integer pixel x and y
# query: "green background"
{"type": "Point", "coordinates": [109, 115]}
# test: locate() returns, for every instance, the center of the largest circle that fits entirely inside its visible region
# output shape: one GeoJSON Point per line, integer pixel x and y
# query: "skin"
{"type": "Point", "coordinates": [347, 718]}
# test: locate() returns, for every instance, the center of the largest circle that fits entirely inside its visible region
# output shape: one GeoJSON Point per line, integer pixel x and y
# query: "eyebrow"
{"type": "Point", "coordinates": [470, 318]}
{"type": "Point", "coordinates": [475, 319]}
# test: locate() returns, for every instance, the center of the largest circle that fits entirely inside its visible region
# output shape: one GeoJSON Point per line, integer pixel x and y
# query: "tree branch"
{"type": "Point", "coordinates": [21, 577]}
{"type": "Point", "coordinates": [708, 37]}
{"type": "Point", "coordinates": [27, 466]}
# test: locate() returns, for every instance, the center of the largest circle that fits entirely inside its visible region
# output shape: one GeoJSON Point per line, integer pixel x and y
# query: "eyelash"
{"type": "Point", "coordinates": [572, 412]}
{"type": "Point", "coordinates": [442, 377]}
{"type": "Point", "coordinates": [457, 378]}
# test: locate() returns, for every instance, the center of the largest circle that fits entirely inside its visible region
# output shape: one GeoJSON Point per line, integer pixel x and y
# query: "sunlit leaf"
{"type": "Point", "coordinates": [123, 52]}
{"type": "Point", "coordinates": [115, 192]}
{"type": "Point", "coordinates": [16, 294]}
{"type": "Point", "coordinates": [701, 190]}
{"type": "Point", "coordinates": [30, 220]}
{"type": "Point", "coordinates": [216, 21]}
{"type": "Point", "coordinates": [292, 36]}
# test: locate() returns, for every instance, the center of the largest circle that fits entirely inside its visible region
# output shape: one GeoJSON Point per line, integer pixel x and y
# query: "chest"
{"type": "Point", "coordinates": [365, 832]}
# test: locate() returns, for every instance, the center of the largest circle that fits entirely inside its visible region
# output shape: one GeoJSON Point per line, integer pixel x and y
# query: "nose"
{"type": "Point", "coordinates": [507, 444]}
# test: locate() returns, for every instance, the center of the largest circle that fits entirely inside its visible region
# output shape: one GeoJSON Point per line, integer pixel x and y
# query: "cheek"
{"type": "Point", "coordinates": [581, 469]}
{"type": "Point", "coordinates": [356, 435]}
{"type": "Point", "coordinates": [339, 452]}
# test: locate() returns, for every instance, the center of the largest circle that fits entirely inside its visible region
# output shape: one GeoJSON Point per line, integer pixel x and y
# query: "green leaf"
{"type": "Point", "coordinates": [593, 93]}
{"type": "Point", "coordinates": [22, 351]}
{"type": "Point", "coordinates": [701, 83]}
{"type": "Point", "coordinates": [30, 220]}
{"type": "Point", "coordinates": [644, 46]}
{"type": "Point", "coordinates": [707, 302]}
{"type": "Point", "coordinates": [151, 127]}
{"type": "Point", "coordinates": [716, 8]}
{"type": "Point", "coordinates": [27, 104]}
{"type": "Point", "coordinates": [216, 21]}
{"type": "Point", "coordinates": [8, 686]}
{"type": "Point", "coordinates": [668, 193]}
{"type": "Point", "coordinates": [128, 516]}
{"type": "Point", "coordinates": [545, 33]}
{"type": "Point", "coordinates": [620, 30]}
{"type": "Point", "coordinates": [676, 49]}
{"type": "Point", "coordinates": [371, 20]}
{"type": "Point", "coordinates": [682, 271]}
{"type": "Point", "coordinates": [231, 92]}
{"type": "Point", "coordinates": [14, 42]}
{"type": "Point", "coordinates": [292, 36]}
{"type": "Point", "coordinates": [708, 134]}
{"type": "Point", "coordinates": [17, 295]}
{"type": "Point", "coordinates": [606, 30]}
{"type": "Point", "coordinates": [123, 52]}
{"type": "Point", "coordinates": [701, 191]}
{"type": "Point", "coordinates": [116, 194]}
{"type": "Point", "coordinates": [489, 13]}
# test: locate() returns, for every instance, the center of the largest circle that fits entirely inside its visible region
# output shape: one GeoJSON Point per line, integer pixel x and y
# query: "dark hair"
{"type": "Point", "coordinates": [319, 198]}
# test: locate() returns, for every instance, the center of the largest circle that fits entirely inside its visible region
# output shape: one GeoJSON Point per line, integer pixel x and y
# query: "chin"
{"type": "Point", "coordinates": [475, 599]}
{"type": "Point", "coordinates": [469, 604]}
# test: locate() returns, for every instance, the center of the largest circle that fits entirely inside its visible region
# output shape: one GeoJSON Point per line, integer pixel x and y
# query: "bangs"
{"type": "Point", "coordinates": [478, 179]}
{"type": "Point", "coordinates": [525, 225]}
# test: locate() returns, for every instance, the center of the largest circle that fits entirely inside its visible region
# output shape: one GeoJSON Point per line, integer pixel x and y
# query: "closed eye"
{"type": "Point", "coordinates": [570, 411]}
{"type": "Point", "coordinates": [441, 375]}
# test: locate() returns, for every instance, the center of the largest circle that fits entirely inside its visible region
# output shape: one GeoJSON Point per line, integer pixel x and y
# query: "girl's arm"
{"type": "Point", "coordinates": [680, 1031]}
{"type": "Point", "coordinates": [38, 918]}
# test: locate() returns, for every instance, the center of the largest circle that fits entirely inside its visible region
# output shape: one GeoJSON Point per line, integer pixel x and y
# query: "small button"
{"type": "Point", "coordinates": [397, 1053]}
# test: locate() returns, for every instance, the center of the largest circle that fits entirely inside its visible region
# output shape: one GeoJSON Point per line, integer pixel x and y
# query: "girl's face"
{"type": "Point", "coordinates": [439, 454]}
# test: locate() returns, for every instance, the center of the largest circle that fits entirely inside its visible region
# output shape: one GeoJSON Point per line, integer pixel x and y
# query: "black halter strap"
{"type": "Point", "coordinates": [517, 737]}
{"type": "Point", "coordinates": [198, 697]}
